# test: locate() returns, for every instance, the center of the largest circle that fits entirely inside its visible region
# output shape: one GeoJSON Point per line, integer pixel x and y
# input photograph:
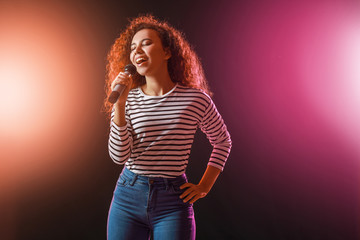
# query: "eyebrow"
{"type": "Point", "coordinates": [141, 41]}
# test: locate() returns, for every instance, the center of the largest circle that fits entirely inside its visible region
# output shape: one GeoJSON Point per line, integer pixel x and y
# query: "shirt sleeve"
{"type": "Point", "coordinates": [120, 141]}
{"type": "Point", "coordinates": [215, 129]}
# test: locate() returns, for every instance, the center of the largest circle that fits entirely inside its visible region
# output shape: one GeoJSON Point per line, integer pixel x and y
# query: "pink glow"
{"type": "Point", "coordinates": [331, 74]}
{"type": "Point", "coordinates": [291, 71]}
{"type": "Point", "coordinates": [295, 67]}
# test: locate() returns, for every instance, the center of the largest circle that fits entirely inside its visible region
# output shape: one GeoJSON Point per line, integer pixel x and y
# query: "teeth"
{"type": "Point", "coordinates": [140, 60]}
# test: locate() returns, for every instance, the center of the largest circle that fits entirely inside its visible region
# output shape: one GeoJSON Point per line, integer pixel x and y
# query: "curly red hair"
{"type": "Point", "coordinates": [184, 65]}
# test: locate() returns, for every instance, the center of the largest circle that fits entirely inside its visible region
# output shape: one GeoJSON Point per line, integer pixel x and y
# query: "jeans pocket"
{"type": "Point", "coordinates": [175, 187]}
{"type": "Point", "coordinates": [122, 180]}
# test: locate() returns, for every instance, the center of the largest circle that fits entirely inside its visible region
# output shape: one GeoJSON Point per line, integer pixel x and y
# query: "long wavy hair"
{"type": "Point", "coordinates": [184, 65]}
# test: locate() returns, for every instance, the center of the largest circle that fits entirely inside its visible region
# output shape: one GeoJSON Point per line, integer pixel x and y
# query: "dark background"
{"type": "Point", "coordinates": [289, 176]}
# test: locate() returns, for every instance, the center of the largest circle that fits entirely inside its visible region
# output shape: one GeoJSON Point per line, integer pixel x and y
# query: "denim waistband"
{"type": "Point", "coordinates": [133, 177]}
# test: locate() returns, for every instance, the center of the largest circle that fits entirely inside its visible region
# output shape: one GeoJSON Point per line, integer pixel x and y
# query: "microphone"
{"type": "Point", "coordinates": [119, 88]}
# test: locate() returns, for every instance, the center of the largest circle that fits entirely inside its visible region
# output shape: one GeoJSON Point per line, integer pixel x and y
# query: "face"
{"type": "Point", "coordinates": [147, 53]}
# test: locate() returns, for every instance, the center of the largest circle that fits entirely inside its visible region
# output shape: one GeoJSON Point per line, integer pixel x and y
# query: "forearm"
{"type": "Point", "coordinates": [209, 177]}
{"type": "Point", "coordinates": [119, 144]}
{"type": "Point", "coordinates": [119, 115]}
{"type": "Point", "coordinates": [120, 140]}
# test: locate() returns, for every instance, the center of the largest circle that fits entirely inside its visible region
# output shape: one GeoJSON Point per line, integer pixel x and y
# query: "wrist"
{"type": "Point", "coordinates": [209, 178]}
{"type": "Point", "coordinates": [119, 106]}
{"type": "Point", "coordinates": [205, 187]}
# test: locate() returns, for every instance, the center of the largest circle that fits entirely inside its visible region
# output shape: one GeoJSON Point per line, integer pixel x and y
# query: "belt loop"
{"type": "Point", "coordinates": [133, 180]}
{"type": "Point", "coordinates": [166, 181]}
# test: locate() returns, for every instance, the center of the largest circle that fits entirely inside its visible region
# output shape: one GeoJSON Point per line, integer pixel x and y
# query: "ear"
{"type": "Point", "coordinates": [167, 53]}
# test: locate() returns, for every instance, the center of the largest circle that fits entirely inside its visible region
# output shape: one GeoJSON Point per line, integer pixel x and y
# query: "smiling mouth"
{"type": "Point", "coordinates": [140, 60]}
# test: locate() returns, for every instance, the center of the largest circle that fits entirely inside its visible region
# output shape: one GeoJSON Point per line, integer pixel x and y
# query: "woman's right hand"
{"type": "Point", "coordinates": [125, 79]}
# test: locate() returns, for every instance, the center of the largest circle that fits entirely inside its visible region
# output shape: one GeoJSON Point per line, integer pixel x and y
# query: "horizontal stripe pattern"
{"type": "Point", "coordinates": [160, 131]}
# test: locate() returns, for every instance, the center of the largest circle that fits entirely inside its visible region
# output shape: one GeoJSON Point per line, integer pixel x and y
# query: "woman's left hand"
{"type": "Point", "coordinates": [193, 192]}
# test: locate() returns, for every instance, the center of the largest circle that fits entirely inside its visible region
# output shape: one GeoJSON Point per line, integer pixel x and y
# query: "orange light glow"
{"type": "Point", "coordinates": [49, 98]}
{"type": "Point", "coordinates": [44, 68]}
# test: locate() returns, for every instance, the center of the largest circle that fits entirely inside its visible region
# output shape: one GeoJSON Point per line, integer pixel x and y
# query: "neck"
{"type": "Point", "coordinates": [158, 85]}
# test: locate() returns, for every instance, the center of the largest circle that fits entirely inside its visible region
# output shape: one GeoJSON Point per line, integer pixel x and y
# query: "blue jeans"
{"type": "Point", "coordinates": [144, 206]}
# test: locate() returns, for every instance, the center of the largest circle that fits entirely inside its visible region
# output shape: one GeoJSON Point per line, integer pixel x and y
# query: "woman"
{"type": "Point", "coordinates": [152, 129]}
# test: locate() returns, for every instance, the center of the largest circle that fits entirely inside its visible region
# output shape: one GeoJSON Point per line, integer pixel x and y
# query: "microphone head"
{"type": "Point", "coordinates": [131, 69]}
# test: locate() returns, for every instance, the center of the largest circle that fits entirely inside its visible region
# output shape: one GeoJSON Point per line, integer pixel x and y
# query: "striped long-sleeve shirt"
{"type": "Point", "coordinates": [160, 131]}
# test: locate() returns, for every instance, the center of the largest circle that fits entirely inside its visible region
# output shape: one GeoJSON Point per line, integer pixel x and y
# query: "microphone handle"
{"type": "Point", "coordinates": [116, 93]}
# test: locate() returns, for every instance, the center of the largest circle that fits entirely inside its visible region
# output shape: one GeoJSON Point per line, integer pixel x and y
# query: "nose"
{"type": "Point", "coordinates": [138, 49]}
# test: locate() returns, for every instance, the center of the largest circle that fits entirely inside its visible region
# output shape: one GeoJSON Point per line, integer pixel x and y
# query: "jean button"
{"type": "Point", "coordinates": [151, 181]}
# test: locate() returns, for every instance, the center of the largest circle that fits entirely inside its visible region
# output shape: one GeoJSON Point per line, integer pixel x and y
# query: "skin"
{"type": "Point", "coordinates": [147, 44]}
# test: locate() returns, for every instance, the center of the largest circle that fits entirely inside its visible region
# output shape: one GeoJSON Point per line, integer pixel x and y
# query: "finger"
{"type": "Point", "coordinates": [116, 81]}
{"type": "Point", "coordinates": [197, 197]}
{"type": "Point", "coordinates": [187, 192]}
{"type": "Point", "coordinates": [185, 185]}
{"type": "Point", "coordinates": [125, 74]}
{"type": "Point", "coordinates": [121, 79]}
{"type": "Point", "coordinates": [184, 194]}
{"type": "Point", "coordinates": [190, 196]}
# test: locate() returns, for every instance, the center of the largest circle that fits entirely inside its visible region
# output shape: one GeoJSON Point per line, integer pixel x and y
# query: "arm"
{"type": "Point", "coordinates": [120, 140]}
{"type": "Point", "coordinates": [214, 127]}
{"type": "Point", "coordinates": [194, 192]}
{"type": "Point", "coordinates": [119, 114]}
{"type": "Point", "coordinates": [119, 106]}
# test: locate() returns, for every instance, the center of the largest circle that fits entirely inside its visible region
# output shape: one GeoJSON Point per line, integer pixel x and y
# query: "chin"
{"type": "Point", "coordinates": [140, 71]}
{"type": "Point", "coordinates": [144, 72]}
{"type": "Point", "coordinates": [141, 74]}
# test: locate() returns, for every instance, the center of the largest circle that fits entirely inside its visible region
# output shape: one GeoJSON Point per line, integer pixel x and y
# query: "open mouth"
{"type": "Point", "coordinates": [140, 60]}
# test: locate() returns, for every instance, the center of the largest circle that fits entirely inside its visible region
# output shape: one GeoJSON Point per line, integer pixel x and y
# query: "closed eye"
{"type": "Point", "coordinates": [144, 42]}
